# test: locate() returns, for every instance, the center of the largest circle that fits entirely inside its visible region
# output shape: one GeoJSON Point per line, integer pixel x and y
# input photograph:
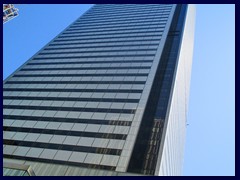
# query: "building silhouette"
{"type": "Point", "coordinates": [107, 96]}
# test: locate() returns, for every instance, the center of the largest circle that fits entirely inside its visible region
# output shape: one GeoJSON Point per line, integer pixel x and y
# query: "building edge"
{"type": "Point", "coordinates": [183, 72]}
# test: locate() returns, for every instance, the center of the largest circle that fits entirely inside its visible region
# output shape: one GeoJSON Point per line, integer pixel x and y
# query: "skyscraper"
{"type": "Point", "coordinates": [107, 96]}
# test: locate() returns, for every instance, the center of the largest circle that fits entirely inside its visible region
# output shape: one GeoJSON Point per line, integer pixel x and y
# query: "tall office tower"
{"type": "Point", "coordinates": [107, 96]}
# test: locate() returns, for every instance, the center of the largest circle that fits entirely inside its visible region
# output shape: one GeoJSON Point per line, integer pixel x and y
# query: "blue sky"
{"type": "Point", "coordinates": [210, 141]}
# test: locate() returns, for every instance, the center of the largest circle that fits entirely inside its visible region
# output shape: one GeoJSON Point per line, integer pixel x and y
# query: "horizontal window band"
{"type": "Point", "coordinates": [150, 10]}
{"type": "Point", "coordinates": [80, 75]}
{"type": "Point", "coordinates": [105, 34]}
{"type": "Point", "coordinates": [147, 20]}
{"type": "Point", "coordinates": [69, 120]}
{"type": "Point", "coordinates": [82, 34]}
{"type": "Point", "coordinates": [67, 133]}
{"type": "Point", "coordinates": [104, 46]}
{"type": "Point", "coordinates": [93, 15]}
{"type": "Point", "coordinates": [132, 7]}
{"type": "Point", "coordinates": [109, 40]}
{"type": "Point", "coordinates": [112, 38]}
{"type": "Point", "coordinates": [100, 56]}
{"type": "Point", "coordinates": [92, 62]}
{"type": "Point", "coordinates": [136, 24]}
{"type": "Point", "coordinates": [158, 15]}
{"type": "Point", "coordinates": [65, 147]}
{"type": "Point", "coordinates": [135, 6]}
{"type": "Point", "coordinates": [85, 165]}
{"type": "Point", "coordinates": [139, 10]}
{"type": "Point", "coordinates": [133, 35]}
{"type": "Point", "coordinates": [127, 12]}
{"type": "Point", "coordinates": [103, 51]}
{"type": "Point", "coordinates": [101, 7]}
{"type": "Point", "coordinates": [122, 21]}
{"type": "Point", "coordinates": [72, 99]}
{"type": "Point", "coordinates": [121, 9]}
{"type": "Point", "coordinates": [100, 28]}
{"type": "Point", "coordinates": [98, 11]}
{"type": "Point", "coordinates": [113, 19]}
{"type": "Point", "coordinates": [113, 29]}
{"type": "Point", "coordinates": [107, 60]}
{"type": "Point", "coordinates": [133, 19]}
{"type": "Point", "coordinates": [73, 90]}
{"type": "Point", "coordinates": [150, 27]}
{"type": "Point", "coordinates": [84, 68]}
{"type": "Point", "coordinates": [123, 13]}
{"type": "Point", "coordinates": [103, 42]}
{"type": "Point", "coordinates": [123, 111]}
{"type": "Point", "coordinates": [75, 82]}
{"type": "Point", "coordinates": [115, 15]}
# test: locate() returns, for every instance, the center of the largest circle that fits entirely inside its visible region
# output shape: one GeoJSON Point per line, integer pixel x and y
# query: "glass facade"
{"type": "Point", "coordinates": [99, 92]}
{"type": "Point", "coordinates": [12, 169]}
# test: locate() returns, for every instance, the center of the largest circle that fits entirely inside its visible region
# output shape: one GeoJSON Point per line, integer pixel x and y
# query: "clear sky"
{"type": "Point", "coordinates": [210, 141]}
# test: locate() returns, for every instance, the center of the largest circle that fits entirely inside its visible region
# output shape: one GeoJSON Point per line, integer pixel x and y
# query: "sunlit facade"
{"type": "Point", "coordinates": [107, 96]}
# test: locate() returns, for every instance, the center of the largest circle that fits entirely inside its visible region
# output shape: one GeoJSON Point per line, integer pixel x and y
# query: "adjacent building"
{"type": "Point", "coordinates": [107, 96]}
{"type": "Point", "coordinates": [9, 12]}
